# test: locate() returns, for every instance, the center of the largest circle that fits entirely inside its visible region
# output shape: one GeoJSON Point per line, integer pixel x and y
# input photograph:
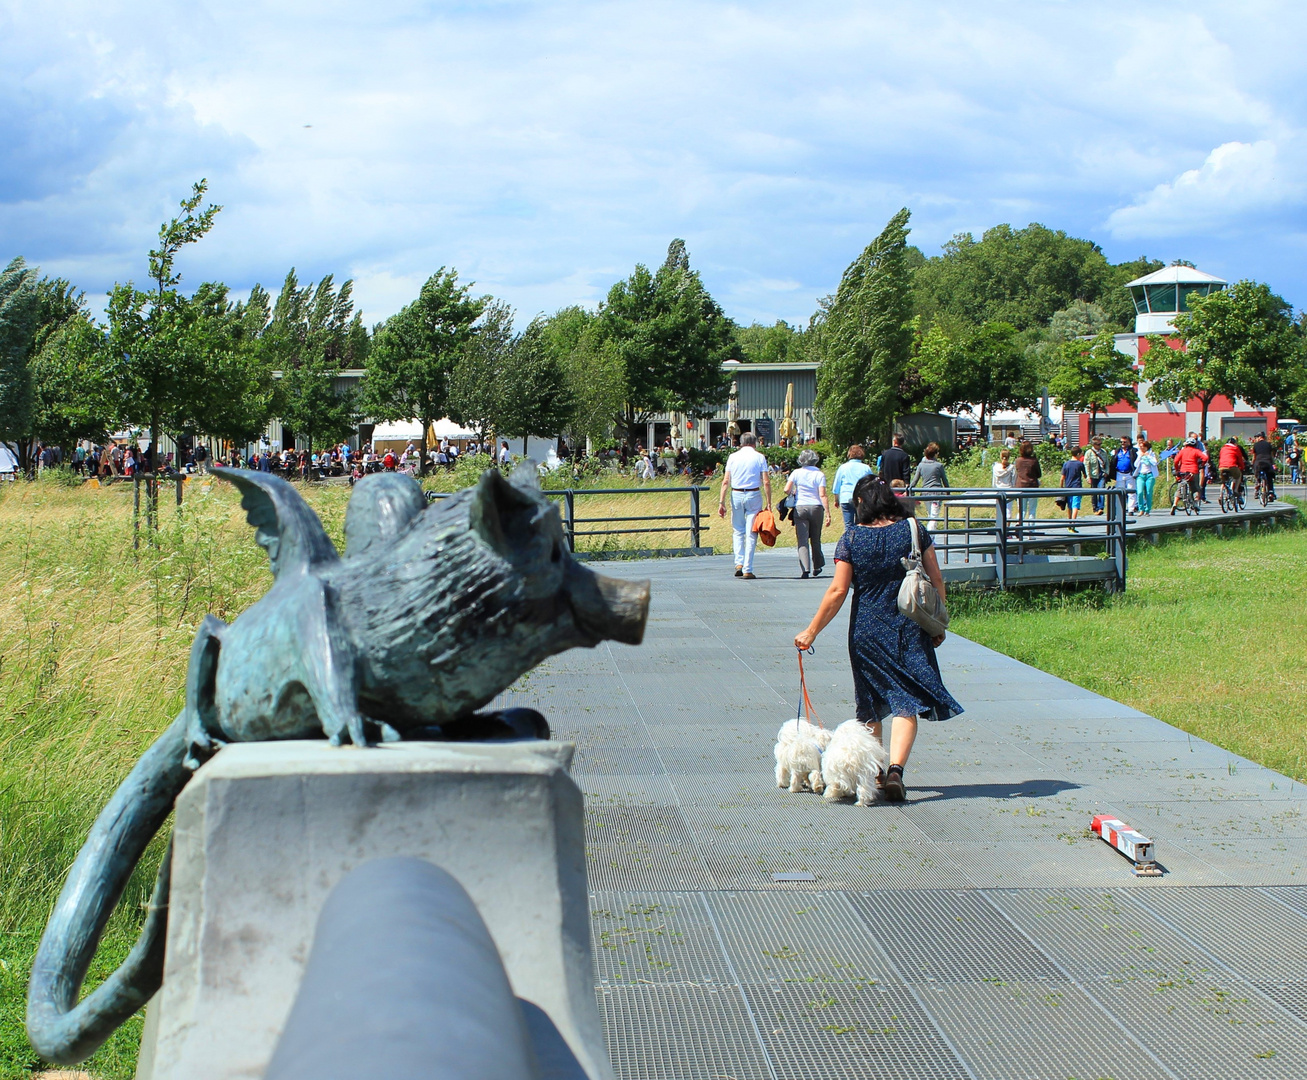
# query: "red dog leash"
{"type": "Point", "coordinates": [805, 702]}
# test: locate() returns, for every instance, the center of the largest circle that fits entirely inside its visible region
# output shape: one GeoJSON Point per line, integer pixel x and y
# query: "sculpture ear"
{"type": "Point", "coordinates": [496, 506]}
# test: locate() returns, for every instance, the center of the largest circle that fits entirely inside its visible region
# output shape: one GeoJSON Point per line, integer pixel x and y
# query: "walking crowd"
{"type": "Point", "coordinates": [1135, 466]}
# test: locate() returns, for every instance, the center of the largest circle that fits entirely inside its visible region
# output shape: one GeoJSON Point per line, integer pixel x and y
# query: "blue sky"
{"type": "Point", "coordinates": [544, 149]}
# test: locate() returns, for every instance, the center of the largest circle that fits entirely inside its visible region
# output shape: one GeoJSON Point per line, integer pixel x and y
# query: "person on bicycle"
{"type": "Point", "coordinates": [1233, 463]}
{"type": "Point", "coordinates": [1264, 462]}
{"type": "Point", "coordinates": [1189, 462]}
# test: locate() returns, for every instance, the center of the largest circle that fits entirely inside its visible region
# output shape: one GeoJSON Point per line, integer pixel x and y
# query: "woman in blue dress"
{"type": "Point", "coordinates": [895, 672]}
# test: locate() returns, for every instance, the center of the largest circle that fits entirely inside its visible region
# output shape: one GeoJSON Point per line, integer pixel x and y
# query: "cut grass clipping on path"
{"type": "Point", "coordinates": [94, 640]}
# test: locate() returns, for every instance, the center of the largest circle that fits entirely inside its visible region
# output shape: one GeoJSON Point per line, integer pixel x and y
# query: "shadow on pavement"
{"type": "Point", "coordinates": [1017, 789]}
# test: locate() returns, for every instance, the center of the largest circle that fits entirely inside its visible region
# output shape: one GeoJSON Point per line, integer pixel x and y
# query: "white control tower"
{"type": "Point", "coordinates": [1163, 294]}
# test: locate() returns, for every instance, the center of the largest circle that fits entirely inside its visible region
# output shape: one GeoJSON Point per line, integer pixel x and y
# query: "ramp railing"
{"type": "Point", "coordinates": [1003, 527]}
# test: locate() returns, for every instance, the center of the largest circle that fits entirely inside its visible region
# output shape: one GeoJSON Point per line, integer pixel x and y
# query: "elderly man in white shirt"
{"type": "Point", "coordinates": [748, 482]}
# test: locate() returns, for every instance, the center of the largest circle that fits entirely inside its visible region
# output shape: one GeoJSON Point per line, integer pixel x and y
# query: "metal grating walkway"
{"type": "Point", "coordinates": [976, 931]}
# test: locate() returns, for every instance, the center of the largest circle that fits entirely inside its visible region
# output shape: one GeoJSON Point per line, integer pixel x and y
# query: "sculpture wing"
{"type": "Point", "coordinates": [284, 526]}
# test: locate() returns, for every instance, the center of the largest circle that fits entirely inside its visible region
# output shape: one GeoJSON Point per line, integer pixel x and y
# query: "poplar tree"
{"type": "Point", "coordinates": [477, 383]}
{"type": "Point", "coordinates": [313, 334]}
{"type": "Point", "coordinates": [20, 308]}
{"type": "Point", "coordinates": [866, 339]}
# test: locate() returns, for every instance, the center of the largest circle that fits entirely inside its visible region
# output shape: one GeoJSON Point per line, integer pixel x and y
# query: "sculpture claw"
{"type": "Point", "coordinates": [354, 732]}
{"type": "Point", "coordinates": [200, 746]}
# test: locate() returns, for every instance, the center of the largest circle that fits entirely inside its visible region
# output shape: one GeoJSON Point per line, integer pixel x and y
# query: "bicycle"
{"type": "Point", "coordinates": [1263, 492]}
{"type": "Point", "coordinates": [1182, 495]}
{"type": "Point", "coordinates": [1232, 501]}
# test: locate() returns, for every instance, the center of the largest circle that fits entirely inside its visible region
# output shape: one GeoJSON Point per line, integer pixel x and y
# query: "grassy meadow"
{"type": "Point", "coordinates": [94, 641]}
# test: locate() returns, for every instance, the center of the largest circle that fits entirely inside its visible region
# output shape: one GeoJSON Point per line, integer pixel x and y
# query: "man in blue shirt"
{"type": "Point", "coordinates": [846, 479]}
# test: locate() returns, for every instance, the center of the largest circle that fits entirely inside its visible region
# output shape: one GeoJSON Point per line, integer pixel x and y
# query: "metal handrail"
{"type": "Point", "coordinates": [1010, 537]}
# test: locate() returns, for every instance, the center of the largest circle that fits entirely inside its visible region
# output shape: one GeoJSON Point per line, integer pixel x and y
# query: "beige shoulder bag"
{"type": "Point", "coordinates": [919, 600]}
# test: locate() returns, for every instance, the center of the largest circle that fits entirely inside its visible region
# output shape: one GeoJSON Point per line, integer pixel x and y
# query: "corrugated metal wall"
{"type": "Point", "coordinates": [764, 391]}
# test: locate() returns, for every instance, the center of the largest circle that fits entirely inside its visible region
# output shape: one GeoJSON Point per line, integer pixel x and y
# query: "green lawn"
{"type": "Point", "coordinates": [1211, 636]}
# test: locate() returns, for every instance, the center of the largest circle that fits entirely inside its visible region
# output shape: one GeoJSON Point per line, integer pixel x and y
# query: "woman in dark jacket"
{"type": "Point", "coordinates": [1028, 474]}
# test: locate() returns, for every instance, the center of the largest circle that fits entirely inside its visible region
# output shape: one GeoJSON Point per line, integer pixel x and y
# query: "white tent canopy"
{"type": "Point", "coordinates": [399, 429]}
{"type": "Point", "coordinates": [443, 428]}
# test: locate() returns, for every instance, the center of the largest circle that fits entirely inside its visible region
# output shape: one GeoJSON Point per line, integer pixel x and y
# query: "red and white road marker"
{"type": "Point", "coordinates": [1134, 845]}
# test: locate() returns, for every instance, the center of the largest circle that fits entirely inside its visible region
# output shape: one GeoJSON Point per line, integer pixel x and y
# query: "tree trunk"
{"type": "Point", "coordinates": [1202, 428]}
{"type": "Point", "coordinates": [425, 421]}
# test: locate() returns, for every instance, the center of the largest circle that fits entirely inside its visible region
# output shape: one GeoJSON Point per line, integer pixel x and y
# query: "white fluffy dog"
{"type": "Point", "coordinates": [799, 747]}
{"type": "Point", "coordinates": [851, 763]}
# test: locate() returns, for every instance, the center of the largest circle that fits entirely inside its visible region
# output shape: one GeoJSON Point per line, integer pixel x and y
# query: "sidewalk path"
{"type": "Point", "coordinates": [976, 931]}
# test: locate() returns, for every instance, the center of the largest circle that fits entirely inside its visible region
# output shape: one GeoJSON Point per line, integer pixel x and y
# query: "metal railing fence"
{"type": "Point", "coordinates": [693, 521]}
{"type": "Point", "coordinates": [1002, 526]}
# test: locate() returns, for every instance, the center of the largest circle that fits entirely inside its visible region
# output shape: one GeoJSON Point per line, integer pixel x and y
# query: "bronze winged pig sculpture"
{"type": "Point", "coordinates": [431, 612]}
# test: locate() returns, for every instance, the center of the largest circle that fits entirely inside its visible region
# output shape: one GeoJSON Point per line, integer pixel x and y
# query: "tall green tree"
{"type": "Point", "coordinates": [230, 348]}
{"type": "Point", "coordinates": [979, 370]}
{"type": "Point", "coordinates": [1238, 343]}
{"type": "Point", "coordinates": [478, 384]}
{"type": "Point", "coordinates": [415, 351]}
{"type": "Point", "coordinates": [156, 340]}
{"type": "Point", "coordinates": [866, 339]}
{"type": "Point", "coordinates": [53, 385]}
{"type": "Point", "coordinates": [1092, 376]}
{"type": "Point", "coordinates": [20, 315]}
{"type": "Point", "coordinates": [537, 399]}
{"type": "Point", "coordinates": [72, 395]}
{"type": "Point", "coordinates": [313, 334]}
{"type": "Point", "coordinates": [779, 343]}
{"type": "Point", "coordinates": [1017, 276]}
{"type": "Point", "coordinates": [593, 369]}
{"type": "Point", "coordinates": [1022, 277]}
{"type": "Point", "coordinates": [671, 338]}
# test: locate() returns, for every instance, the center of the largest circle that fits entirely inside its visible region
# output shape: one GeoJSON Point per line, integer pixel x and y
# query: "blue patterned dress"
{"type": "Point", "coordinates": [895, 672]}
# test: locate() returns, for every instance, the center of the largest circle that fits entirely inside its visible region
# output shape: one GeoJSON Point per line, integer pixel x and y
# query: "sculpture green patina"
{"type": "Point", "coordinates": [430, 613]}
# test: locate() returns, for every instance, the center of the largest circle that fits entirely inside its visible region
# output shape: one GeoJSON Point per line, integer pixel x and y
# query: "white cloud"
{"type": "Point", "coordinates": [544, 148]}
{"type": "Point", "coordinates": [1237, 179]}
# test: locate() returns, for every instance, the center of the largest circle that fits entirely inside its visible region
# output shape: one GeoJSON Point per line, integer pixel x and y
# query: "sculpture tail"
{"type": "Point", "coordinates": [62, 1029]}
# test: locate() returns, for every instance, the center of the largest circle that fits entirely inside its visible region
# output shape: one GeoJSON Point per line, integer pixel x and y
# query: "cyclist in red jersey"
{"type": "Point", "coordinates": [1233, 464]}
{"type": "Point", "coordinates": [1189, 462]}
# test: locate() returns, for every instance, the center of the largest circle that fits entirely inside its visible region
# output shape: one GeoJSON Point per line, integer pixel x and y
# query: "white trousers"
{"type": "Point", "coordinates": [744, 508]}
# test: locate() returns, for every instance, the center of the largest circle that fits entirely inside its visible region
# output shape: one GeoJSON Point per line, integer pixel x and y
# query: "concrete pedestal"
{"type": "Point", "coordinates": [265, 830]}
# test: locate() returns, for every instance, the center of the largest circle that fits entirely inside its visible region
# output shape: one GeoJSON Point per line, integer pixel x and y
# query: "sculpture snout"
{"type": "Point", "coordinates": [608, 608]}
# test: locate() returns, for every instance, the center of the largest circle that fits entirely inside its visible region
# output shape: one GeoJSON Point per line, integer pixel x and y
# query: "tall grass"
{"type": "Point", "coordinates": [94, 642]}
